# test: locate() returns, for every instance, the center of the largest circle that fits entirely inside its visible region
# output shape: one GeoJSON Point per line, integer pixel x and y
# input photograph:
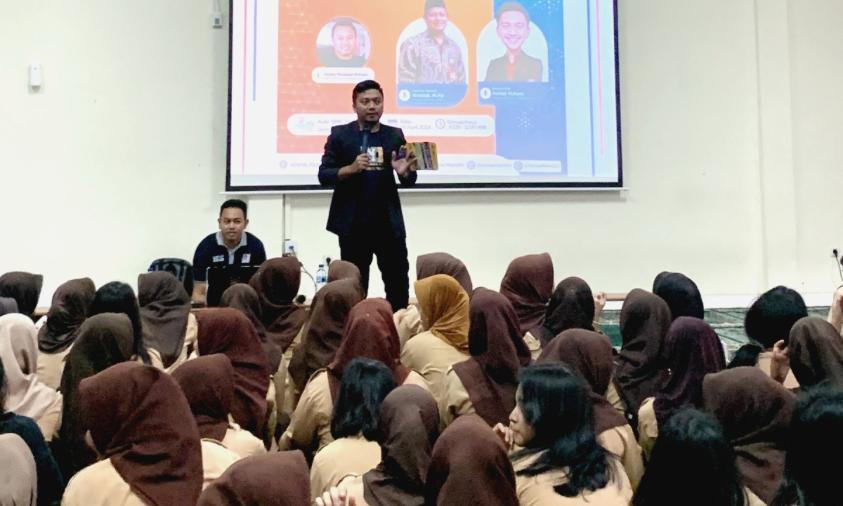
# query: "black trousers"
{"type": "Point", "coordinates": [392, 262]}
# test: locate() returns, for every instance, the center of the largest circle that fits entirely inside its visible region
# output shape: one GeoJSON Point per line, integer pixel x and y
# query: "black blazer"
{"type": "Point", "coordinates": [341, 148]}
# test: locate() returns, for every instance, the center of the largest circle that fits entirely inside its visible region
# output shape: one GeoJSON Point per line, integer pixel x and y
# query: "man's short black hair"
{"type": "Point", "coordinates": [430, 4]}
{"type": "Point", "coordinates": [364, 86]}
{"type": "Point", "coordinates": [343, 22]}
{"type": "Point", "coordinates": [771, 317]}
{"type": "Point", "coordinates": [512, 6]}
{"type": "Point", "coordinates": [239, 204]}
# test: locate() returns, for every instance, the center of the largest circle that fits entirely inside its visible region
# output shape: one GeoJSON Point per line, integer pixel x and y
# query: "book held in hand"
{"type": "Point", "coordinates": [424, 153]}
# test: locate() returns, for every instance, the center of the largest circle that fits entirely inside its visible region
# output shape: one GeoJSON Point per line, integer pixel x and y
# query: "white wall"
{"type": "Point", "coordinates": [730, 134]}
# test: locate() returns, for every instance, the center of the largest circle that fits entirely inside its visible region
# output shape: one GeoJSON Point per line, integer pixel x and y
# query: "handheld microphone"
{"type": "Point", "coordinates": [367, 128]}
{"type": "Point", "coordinates": [838, 262]}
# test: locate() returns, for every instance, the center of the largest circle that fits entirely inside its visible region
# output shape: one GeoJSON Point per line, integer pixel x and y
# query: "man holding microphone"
{"type": "Point", "coordinates": [359, 160]}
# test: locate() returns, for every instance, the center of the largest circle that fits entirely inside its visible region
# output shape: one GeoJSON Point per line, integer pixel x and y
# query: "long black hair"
{"type": "Point", "coordinates": [557, 405]}
{"type": "Point", "coordinates": [693, 464]}
{"type": "Point", "coordinates": [365, 384]}
{"type": "Point", "coordinates": [815, 430]}
{"type": "Point", "coordinates": [118, 297]}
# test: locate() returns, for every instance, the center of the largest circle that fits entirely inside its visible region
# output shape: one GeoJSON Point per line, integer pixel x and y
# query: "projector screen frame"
{"type": "Point", "coordinates": [433, 187]}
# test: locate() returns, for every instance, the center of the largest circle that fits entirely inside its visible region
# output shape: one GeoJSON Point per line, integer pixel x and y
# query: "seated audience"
{"type": "Point", "coordinates": [46, 475]}
{"type": "Point", "coordinates": [118, 297]}
{"type": "Point", "coordinates": [693, 465]}
{"type": "Point", "coordinates": [17, 474]}
{"type": "Point", "coordinates": [814, 354]}
{"type": "Point", "coordinates": [69, 308]}
{"type": "Point", "coordinates": [691, 350]}
{"type": "Point", "coordinates": [354, 425]}
{"type": "Point", "coordinates": [369, 333]}
{"type": "Point", "coordinates": [589, 355]}
{"type": "Point", "coordinates": [169, 329]}
{"type": "Point", "coordinates": [25, 394]}
{"type": "Point", "coordinates": [143, 431]}
{"type": "Point", "coordinates": [528, 285]}
{"type": "Point", "coordinates": [485, 384]}
{"type": "Point", "coordinates": [443, 306]}
{"type": "Point", "coordinates": [24, 288]}
{"type": "Point", "coordinates": [571, 306]}
{"type": "Point", "coordinates": [208, 385]}
{"type": "Point", "coordinates": [560, 460]}
{"type": "Point", "coordinates": [228, 331]}
{"type": "Point", "coordinates": [639, 372]}
{"type": "Point", "coordinates": [755, 412]}
{"type": "Point", "coordinates": [768, 322]}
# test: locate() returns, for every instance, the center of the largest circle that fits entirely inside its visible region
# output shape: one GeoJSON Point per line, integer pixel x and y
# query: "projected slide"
{"type": "Point", "coordinates": [514, 94]}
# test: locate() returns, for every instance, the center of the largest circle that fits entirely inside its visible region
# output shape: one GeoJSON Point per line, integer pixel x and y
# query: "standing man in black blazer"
{"type": "Point", "coordinates": [359, 160]}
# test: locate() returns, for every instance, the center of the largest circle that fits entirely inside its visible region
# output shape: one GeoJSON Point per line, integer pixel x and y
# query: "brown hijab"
{"type": "Point", "coordinates": [340, 269]}
{"type": "Point", "coordinates": [491, 374]}
{"type": "Point", "coordinates": [244, 298]}
{"type": "Point", "coordinates": [24, 287]}
{"type": "Point", "coordinates": [755, 412]}
{"type": "Point", "coordinates": [277, 283]}
{"type": "Point", "coordinates": [588, 354]}
{"type": "Point", "coordinates": [278, 478]}
{"type": "Point", "coordinates": [409, 424]}
{"type": "Point", "coordinates": [816, 352]}
{"type": "Point", "coordinates": [104, 340]}
{"type": "Point", "coordinates": [164, 307]}
{"type": "Point", "coordinates": [444, 263]}
{"type": "Point", "coordinates": [208, 385]}
{"type": "Point", "coordinates": [528, 284]}
{"type": "Point", "coordinates": [323, 333]}
{"type": "Point", "coordinates": [571, 306]}
{"type": "Point", "coordinates": [228, 331]}
{"type": "Point", "coordinates": [370, 333]}
{"type": "Point", "coordinates": [692, 350]}
{"type": "Point", "coordinates": [18, 474]}
{"type": "Point", "coordinates": [445, 305]}
{"type": "Point", "coordinates": [639, 373]}
{"type": "Point", "coordinates": [136, 415]}
{"type": "Point", "coordinates": [68, 310]}
{"type": "Point", "coordinates": [469, 465]}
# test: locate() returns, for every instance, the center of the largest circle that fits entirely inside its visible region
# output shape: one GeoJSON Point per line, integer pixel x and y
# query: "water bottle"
{"type": "Point", "coordinates": [321, 277]}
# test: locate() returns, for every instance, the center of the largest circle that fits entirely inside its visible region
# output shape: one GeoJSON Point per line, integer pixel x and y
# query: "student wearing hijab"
{"type": "Point", "coordinates": [571, 306]}
{"type": "Point", "coordinates": [528, 284]}
{"type": "Point", "coordinates": [681, 294]}
{"type": "Point", "coordinates": [768, 322]}
{"type": "Point", "coordinates": [561, 461]}
{"type": "Point", "coordinates": [69, 308]}
{"type": "Point", "coordinates": [693, 465]}
{"type": "Point", "coordinates": [17, 475]}
{"type": "Point", "coordinates": [228, 331]}
{"type": "Point", "coordinates": [815, 431]}
{"type": "Point", "coordinates": [244, 298]}
{"type": "Point", "coordinates": [118, 297]}
{"type": "Point", "coordinates": [815, 354]}
{"type": "Point", "coordinates": [136, 417]}
{"type": "Point", "coordinates": [692, 350]}
{"type": "Point", "coordinates": [341, 269]}
{"type": "Point", "coordinates": [639, 372]}
{"type": "Point", "coordinates": [485, 384]}
{"type": "Point", "coordinates": [408, 320]}
{"type": "Point", "coordinates": [408, 425]}
{"type": "Point", "coordinates": [589, 355]}
{"type": "Point", "coordinates": [104, 340]}
{"type": "Point", "coordinates": [444, 309]}
{"type": "Point", "coordinates": [369, 333]}
{"type": "Point", "coordinates": [276, 478]}
{"type": "Point", "coordinates": [24, 287]}
{"type": "Point", "coordinates": [469, 465]}
{"type": "Point", "coordinates": [323, 332]}
{"type": "Point", "coordinates": [25, 394]}
{"type": "Point", "coordinates": [354, 426]}
{"type": "Point", "coordinates": [169, 330]}
{"type": "Point", "coordinates": [50, 483]}
{"type": "Point", "coordinates": [208, 385]}
{"type": "Point", "coordinates": [277, 283]}
{"type": "Point", "coordinates": [755, 412]}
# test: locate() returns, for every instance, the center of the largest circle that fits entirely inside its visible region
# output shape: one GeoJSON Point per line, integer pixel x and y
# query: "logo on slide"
{"type": "Point", "coordinates": [485, 93]}
{"type": "Point", "coordinates": [404, 95]}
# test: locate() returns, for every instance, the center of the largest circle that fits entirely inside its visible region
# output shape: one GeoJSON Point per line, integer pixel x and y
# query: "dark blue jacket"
{"type": "Point", "coordinates": [341, 149]}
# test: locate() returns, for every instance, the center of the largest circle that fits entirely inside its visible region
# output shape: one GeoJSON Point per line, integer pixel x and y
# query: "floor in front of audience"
{"type": "Point", "coordinates": [728, 323]}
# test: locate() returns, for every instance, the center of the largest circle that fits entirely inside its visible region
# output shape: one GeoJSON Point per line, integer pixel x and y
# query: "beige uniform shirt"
{"type": "Point", "coordinates": [621, 442]}
{"type": "Point", "coordinates": [340, 458]}
{"type": "Point", "coordinates": [188, 350]}
{"type": "Point", "coordinates": [242, 442]}
{"type": "Point", "coordinates": [51, 367]}
{"type": "Point", "coordinates": [538, 490]}
{"type": "Point", "coordinates": [431, 357]}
